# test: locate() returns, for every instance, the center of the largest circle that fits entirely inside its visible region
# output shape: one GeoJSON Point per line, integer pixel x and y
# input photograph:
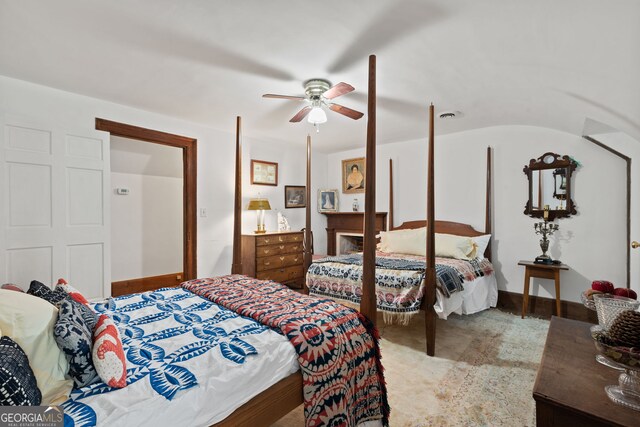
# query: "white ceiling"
{"type": "Point", "coordinates": [549, 63]}
{"type": "Point", "coordinates": [145, 158]}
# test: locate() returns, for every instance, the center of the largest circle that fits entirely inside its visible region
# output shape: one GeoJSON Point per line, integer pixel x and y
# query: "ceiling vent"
{"type": "Point", "coordinates": [450, 115]}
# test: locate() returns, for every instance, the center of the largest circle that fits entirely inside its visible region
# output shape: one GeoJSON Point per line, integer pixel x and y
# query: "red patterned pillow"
{"type": "Point", "coordinates": [108, 354]}
{"type": "Point", "coordinates": [72, 292]}
{"type": "Point", "coordinates": [12, 287]}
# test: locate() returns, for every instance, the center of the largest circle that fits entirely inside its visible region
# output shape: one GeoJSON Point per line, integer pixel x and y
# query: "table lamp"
{"type": "Point", "coordinates": [259, 205]}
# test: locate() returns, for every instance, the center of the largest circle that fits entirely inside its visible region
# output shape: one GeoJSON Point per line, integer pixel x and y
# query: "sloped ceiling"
{"type": "Point", "coordinates": [500, 62]}
{"type": "Point", "coordinates": [144, 158]}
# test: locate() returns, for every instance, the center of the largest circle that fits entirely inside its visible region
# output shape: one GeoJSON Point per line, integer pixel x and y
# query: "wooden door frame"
{"type": "Point", "coordinates": [189, 148]}
{"type": "Point", "coordinates": [627, 159]}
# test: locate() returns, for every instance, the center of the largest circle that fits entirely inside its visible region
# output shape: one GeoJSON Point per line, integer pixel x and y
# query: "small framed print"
{"type": "Point", "coordinates": [264, 173]}
{"type": "Point", "coordinates": [327, 200]}
{"type": "Point", "coordinates": [295, 196]}
{"type": "Point", "coordinates": [353, 173]}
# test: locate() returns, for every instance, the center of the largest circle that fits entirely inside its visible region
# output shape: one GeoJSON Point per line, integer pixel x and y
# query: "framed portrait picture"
{"type": "Point", "coordinates": [295, 196]}
{"type": "Point", "coordinates": [264, 173]}
{"type": "Point", "coordinates": [353, 174]}
{"type": "Point", "coordinates": [327, 200]}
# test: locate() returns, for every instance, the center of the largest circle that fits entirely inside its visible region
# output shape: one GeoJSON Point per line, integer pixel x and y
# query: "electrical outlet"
{"type": "Point", "coordinates": [203, 212]}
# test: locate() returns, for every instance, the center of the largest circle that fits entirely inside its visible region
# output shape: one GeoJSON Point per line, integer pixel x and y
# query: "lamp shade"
{"type": "Point", "coordinates": [259, 204]}
{"type": "Point", "coordinates": [317, 116]}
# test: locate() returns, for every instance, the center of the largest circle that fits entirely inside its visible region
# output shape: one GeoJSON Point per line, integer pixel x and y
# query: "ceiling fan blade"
{"type": "Point", "coordinates": [337, 90]}
{"type": "Point", "coordinates": [295, 98]}
{"type": "Point", "coordinates": [301, 114]}
{"type": "Point", "coordinates": [352, 114]}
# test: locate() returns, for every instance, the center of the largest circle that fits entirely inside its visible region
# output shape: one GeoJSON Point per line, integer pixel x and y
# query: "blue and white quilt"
{"type": "Point", "coordinates": [188, 362]}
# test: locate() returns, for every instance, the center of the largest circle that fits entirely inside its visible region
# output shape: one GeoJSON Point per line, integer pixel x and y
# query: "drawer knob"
{"type": "Point", "coordinates": [266, 240]}
{"type": "Point", "coordinates": [281, 258]}
{"type": "Point", "coordinates": [281, 246]}
{"type": "Point", "coordinates": [280, 238]}
{"type": "Point", "coordinates": [267, 263]}
{"type": "Point", "coordinates": [295, 259]}
{"type": "Point", "coordinates": [266, 251]}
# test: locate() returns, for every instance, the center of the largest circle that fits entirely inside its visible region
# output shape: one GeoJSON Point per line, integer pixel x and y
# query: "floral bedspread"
{"type": "Point", "coordinates": [399, 280]}
{"type": "Point", "coordinates": [337, 347]}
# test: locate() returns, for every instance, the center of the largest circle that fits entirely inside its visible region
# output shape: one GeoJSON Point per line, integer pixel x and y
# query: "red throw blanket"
{"type": "Point", "coordinates": [337, 347]}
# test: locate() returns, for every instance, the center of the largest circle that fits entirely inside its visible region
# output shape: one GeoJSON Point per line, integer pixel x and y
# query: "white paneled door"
{"type": "Point", "coordinates": [54, 213]}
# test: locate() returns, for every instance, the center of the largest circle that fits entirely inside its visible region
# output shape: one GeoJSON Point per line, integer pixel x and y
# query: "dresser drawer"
{"type": "Point", "coordinates": [285, 248]}
{"type": "Point", "coordinates": [281, 274]}
{"type": "Point", "coordinates": [278, 261]}
{"type": "Point", "coordinates": [276, 239]}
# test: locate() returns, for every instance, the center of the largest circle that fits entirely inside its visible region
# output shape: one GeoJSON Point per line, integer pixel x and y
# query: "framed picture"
{"type": "Point", "coordinates": [295, 196]}
{"type": "Point", "coordinates": [264, 173]}
{"type": "Point", "coordinates": [327, 200]}
{"type": "Point", "coordinates": [353, 174]}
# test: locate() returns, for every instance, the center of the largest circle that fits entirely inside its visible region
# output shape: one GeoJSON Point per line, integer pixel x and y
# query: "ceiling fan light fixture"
{"type": "Point", "coordinates": [317, 116]}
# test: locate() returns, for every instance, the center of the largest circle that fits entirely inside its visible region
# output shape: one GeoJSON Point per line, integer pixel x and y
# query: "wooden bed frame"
{"type": "Point", "coordinates": [445, 227]}
{"type": "Point", "coordinates": [286, 395]}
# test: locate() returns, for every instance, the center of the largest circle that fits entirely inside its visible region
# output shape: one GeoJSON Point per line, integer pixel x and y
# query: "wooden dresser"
{"type": "Point", "coordinates": [569, 388]}
{"type": "Point", "coordinates": [274, 256]}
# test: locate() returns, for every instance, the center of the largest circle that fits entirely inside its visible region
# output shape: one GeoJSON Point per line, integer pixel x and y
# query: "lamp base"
{"type": "Point", "coordinates": [260, 231]}
{"type": "Point", "coordinates": [543, 260]}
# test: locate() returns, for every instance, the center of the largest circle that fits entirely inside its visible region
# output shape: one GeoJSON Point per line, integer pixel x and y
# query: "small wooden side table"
{"type": "Point", "coordinates": [542, 271]}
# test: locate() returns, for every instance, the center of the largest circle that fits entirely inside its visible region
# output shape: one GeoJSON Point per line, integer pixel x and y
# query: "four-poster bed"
{"type": "Point", "coordinates": [237, 351]}
{"type": "Point", "coordinates": [408, 283]}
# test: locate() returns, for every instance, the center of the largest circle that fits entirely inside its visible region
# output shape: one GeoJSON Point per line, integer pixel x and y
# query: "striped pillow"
{"type": "Point", "coordinates": [18, 385]}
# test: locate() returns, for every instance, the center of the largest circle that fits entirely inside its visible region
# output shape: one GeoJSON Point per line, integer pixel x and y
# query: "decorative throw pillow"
{"type": "Point", "coordinates": [29, 321]}
{"type": "Point", "coordinates": [41, 290]}
{"type": "Point", "coordinates": [71, 291]}
{"type": "Point", "coordinates": [18, 385]}
{"type": "Point", "coordinates": [452, 246]}
{"type": "Point", "coordinates": [482, 242]}
{"type": "Point", "coordinates": [108, 354]}
{"type": "Point", "coordinates": [12, 287]}
{"type": "Point", "coordinates": [57, 295]}
{"type": "Point", "coordinates": [74, 339]}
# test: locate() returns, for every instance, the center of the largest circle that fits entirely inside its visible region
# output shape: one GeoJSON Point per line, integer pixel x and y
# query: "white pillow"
{"type": "Point", "coordinates": [411, 242]}
{"type": "Point", "coordinates": [29, 321]}
{"type": "Point", "coordinates": [482, 242]}
{"type": "Point", "coordinates": [452, 246]}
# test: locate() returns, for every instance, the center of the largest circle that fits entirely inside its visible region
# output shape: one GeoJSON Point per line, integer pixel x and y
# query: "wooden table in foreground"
{"type": "Point", "coordinates": [569, 388]}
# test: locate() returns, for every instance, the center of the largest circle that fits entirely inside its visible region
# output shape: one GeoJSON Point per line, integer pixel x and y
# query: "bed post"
{"type": "Point", "coordinates": [430, 314]}
{"type": "Point", "coordinates": [368, 300]}
{"type": "Point", "coordinates": [236, 266]}
{"type": "Point", "coordinates": [390, 195]}
{"type": "Point", "coordinates": [307, 223]}
{"type": "Point", "coordinates": [487, 215]}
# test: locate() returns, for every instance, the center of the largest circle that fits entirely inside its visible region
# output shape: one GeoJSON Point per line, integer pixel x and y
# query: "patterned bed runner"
{"type": "Point", "coordinates": [337, 347]}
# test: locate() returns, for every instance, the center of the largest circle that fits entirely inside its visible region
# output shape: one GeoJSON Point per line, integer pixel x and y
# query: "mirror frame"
{"type": "Point", "coordinates": [563, 162]}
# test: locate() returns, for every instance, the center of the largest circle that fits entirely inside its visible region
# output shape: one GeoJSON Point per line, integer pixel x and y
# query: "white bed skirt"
{"type": "Point", "coordinates": [479, 294]}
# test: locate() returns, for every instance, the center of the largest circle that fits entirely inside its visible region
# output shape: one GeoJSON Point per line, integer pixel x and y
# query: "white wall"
{"type": "Point", "coordinates": [293, 173]}
{"type": "Point", "coordinates": [146, 226]}
{"type": "Point", "coordinates": [592, 243]}
{"type": "Point", "coordinates": [216, 152]}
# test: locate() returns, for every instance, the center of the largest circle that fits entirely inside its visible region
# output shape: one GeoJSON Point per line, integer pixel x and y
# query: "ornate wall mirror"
{"type": "Point", "coordinates": [550, 185]}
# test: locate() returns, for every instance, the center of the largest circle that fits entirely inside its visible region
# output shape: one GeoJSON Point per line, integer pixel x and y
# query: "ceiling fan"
{"type": "Point", "coordinates": [319, 93]}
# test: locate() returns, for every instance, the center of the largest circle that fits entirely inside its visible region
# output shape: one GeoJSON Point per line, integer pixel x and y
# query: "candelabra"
{"type": "Point", "coordinates": [546, 229]}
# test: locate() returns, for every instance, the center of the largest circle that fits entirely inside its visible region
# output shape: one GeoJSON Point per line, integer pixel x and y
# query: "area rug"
{"type": "Point", "coordinates": [482, 375]}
